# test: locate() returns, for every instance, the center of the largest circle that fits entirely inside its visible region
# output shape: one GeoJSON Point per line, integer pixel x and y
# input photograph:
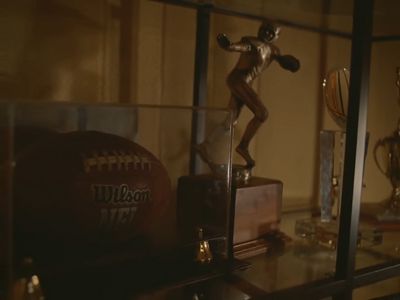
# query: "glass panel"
{"type": "Point", "coordinates": [121, 190]}
{"type": "Point", "coordinates": [383, 290]}
{"type": "Point", "coordinates": [386, 21]}
{"type": "Point", "coordinates": [379, 194]}
{"type": "Point", "coordinates": [62, 51]}
{"type": "Point", "coordinates": [333, 17]}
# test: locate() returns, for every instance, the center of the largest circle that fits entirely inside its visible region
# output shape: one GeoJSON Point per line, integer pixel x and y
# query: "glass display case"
{"type": "Point", "coordinates": [333, 18]}
{"type": "Point", "coordinates": [102, 195]}
{"type": "Point", "coordinates": [293, 228]}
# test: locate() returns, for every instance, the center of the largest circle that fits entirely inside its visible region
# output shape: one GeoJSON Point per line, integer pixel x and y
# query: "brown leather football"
{"type": "Point", "coordinates": [86, 187]}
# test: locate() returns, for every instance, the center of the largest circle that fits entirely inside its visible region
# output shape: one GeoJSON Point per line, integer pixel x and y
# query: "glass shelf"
{"type": "Point", "coordinates": [384, 290]}
{"type": "Point", "coordinates": [273, 272]}
{"type": "Point", "coordinates": [331, 17]}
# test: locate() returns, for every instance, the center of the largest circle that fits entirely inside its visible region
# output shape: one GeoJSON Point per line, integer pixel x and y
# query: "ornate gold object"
{"type": "Point", "coordinates": [203, 254]}
{"type": "Point", "coordinates": [390, 149]}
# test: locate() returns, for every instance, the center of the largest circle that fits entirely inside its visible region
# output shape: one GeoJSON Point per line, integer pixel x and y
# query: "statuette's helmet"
{"type": "Point", "coordinates": [268, 31]}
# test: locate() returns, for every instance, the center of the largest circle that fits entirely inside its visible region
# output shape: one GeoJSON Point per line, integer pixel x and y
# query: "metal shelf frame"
{"type": "Point", "coordinates": [346, 278]}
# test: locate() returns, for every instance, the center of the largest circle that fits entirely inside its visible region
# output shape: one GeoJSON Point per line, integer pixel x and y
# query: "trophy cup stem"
{"type": "Point", "coordinates": [394, 203]}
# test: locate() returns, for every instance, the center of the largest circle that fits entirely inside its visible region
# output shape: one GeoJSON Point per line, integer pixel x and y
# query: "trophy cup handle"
{"type": "Point", "coordinates": [379, 144]}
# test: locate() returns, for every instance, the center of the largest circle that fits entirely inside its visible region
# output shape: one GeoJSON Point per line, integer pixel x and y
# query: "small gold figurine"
{"type": "Point", "coordinates": [28, 286]}
{"type": "Point", "coordinates": [203, 255]}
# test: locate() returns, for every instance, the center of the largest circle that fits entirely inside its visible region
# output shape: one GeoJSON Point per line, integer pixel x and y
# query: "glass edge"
{"type": "Point", "coordinates": [58, 104]}
{"type": "Point", "coordinates": [215, 8]}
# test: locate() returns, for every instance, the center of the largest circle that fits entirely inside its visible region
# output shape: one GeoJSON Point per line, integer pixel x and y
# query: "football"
{"type": "Point", "coordinates": [84, 188]}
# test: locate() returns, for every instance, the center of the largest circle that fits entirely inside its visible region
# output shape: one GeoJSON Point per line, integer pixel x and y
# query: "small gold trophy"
{"type": "Point", "coordinates": [203, 254]}
{"type": "Point", "coordinates": [28, 286]}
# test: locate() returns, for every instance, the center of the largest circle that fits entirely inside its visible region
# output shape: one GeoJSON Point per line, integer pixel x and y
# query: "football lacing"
{"type": "Point", "coordinates": [118, 159]}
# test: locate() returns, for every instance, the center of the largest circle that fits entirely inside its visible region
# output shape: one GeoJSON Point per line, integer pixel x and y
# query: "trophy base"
{"type": "Point", "coordinates": [326, 233]}
{"type": "Point", "coordinates": [269, 243]}
{"type": "Point", "coordinates": [381, 215]}
{"type": "Point", "coordinates": [258, 203]}
{"type": "Point", "coordinates": [257, 207]}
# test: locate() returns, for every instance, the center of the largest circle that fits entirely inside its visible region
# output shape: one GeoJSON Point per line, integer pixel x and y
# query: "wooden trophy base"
{"type": "Point", "coordinates": [257, 210]}
{"type": "Point", "coordinates": [271, 242]}
{"type": "Point", "coordinates": [258, 204]}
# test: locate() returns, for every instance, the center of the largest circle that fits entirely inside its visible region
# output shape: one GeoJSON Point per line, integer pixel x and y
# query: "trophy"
{"type": "Point", "coordinates": [257, 201]}
{"type": "Point", "coordinates": [332, 142]}
{"type": "Point", "coordinates": [387, 158]}
{"type": "Point", "coordinates": [324, 230]}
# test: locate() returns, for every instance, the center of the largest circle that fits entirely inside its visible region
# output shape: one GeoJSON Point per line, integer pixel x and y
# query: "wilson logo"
{"type": "Point", "coordinates": [121, 194]}
{"type": "Point", "coordinates": [128, 201]}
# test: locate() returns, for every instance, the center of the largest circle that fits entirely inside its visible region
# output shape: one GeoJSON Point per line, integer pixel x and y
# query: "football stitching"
{"type": "Point", "coordinates": [119, 159]}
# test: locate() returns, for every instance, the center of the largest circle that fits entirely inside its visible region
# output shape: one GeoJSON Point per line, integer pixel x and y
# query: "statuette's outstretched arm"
{"type": "Point", "coordinates": [287, 62]}
{"type": "Point", "coordinates": [225, 43]}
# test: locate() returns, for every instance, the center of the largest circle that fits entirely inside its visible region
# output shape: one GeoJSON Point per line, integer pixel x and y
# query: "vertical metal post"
{"type": "Point", "coordinates": [82, 118]}
{"type": "Point", "coordinates": [126, 51]}
{"type": "Point", "coordinates": [6, 201]}
{"type": "Point", "coordinates": [355, 143]}
{"type": "Point", "coordinates": [200, 81]}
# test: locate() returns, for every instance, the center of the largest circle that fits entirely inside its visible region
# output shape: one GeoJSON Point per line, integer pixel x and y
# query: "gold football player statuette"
{"type": "Point", "coordinates": [256, 54]}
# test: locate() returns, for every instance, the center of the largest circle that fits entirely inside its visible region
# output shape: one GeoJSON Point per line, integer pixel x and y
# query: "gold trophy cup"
{"type": "Point", "coordinates": [387, 158]}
